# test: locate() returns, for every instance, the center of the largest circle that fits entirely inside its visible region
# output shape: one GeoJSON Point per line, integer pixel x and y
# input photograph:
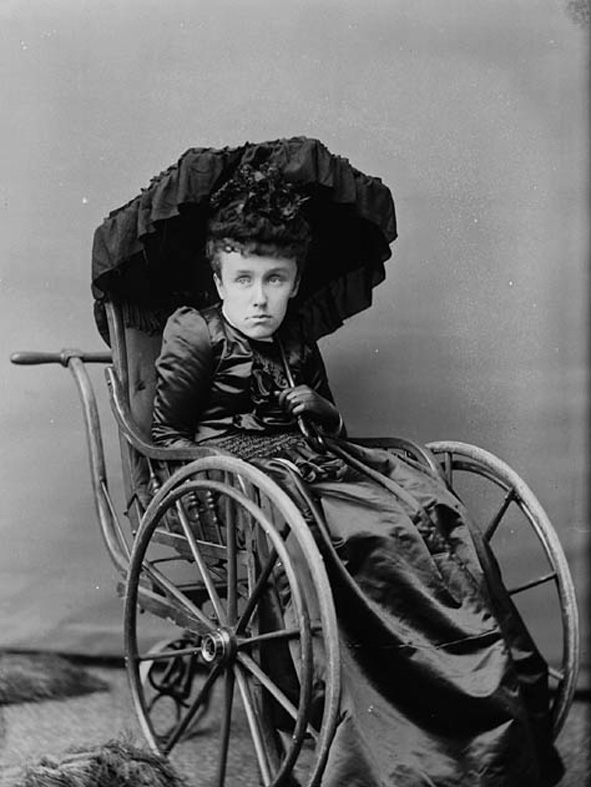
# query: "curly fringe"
{"type": "Point", "coordinates": [258, 207]}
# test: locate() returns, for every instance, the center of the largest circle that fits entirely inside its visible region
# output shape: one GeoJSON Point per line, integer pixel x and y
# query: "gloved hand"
{"type": "Point", "coordinates": [304, 401]}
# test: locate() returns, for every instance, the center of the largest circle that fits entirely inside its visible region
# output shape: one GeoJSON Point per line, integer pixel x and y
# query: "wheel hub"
{"type": "Point", "coordinates": [217, 646]}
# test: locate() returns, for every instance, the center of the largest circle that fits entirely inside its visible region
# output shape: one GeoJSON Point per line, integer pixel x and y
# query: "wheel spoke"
{"type": "Point", "coordinates": [282, 634]}
{"type": "Point", "coordinates": [496, 520]}
{"type": "Point", "coordinates": [232, 568]}
{"type": "Point", "coordinates": [254, 727]}
{"type": "Point", "coordinates": [164, 655]}
{"type": "Point", "coordinates": [257, 592]}
{"type": "Point", "coordinates": [175, 735]}
{"type": "Point", "coordinates": [171, 589]}
{"type": "Point", "coordinates": [226, 727]}
{"type": "Point", "coordinates": [201, 564]}
{"type": "Point", "coordinates": [532, 583]}
{"type": "Point", "coordinates": [273, 689]}
{"type": "Point", "coordinates": [557, 675]}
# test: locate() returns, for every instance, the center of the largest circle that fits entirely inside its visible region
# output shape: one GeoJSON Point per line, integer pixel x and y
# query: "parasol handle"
{"type": "Point", "coordinates": [306, 428]}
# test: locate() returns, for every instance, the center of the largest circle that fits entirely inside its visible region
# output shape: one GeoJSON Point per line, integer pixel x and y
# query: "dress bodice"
{"type": "Point", "coordinates": [213, 380]}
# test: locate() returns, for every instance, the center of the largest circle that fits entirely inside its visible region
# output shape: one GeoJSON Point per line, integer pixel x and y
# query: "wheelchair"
{"type": "Point", "coordinates": [221, 556]}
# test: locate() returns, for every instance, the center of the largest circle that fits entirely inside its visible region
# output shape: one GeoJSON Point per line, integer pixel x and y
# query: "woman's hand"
{"type": "Point", "coordinates": [303, 400]}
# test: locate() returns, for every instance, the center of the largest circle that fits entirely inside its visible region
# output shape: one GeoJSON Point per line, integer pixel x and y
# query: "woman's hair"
{"type": "Point", "coordinates": [257, 212]}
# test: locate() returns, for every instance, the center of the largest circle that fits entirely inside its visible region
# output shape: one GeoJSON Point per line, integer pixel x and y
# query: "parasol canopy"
{"type": "Point", "coordinates": [149, 255]}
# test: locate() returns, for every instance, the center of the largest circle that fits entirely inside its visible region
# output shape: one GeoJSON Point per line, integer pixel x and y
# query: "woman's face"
{"type": "Point", "coordinates": [255, 291]}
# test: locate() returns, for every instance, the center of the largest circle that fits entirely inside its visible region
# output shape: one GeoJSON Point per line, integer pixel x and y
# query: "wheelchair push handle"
{"type": "Point", "coordinates": [63, 357]}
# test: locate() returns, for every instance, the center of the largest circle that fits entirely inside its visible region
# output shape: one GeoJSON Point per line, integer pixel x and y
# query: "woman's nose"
{"type": "Point", "coordinates": [259, 294]}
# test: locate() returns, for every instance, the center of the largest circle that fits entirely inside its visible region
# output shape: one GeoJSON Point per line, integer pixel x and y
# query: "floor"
{"type": "Point", "coordinates": [33, 730]}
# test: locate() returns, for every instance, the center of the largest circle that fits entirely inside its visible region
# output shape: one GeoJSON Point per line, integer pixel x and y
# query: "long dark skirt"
{"type": "Point", "coordinates": [442, 685]}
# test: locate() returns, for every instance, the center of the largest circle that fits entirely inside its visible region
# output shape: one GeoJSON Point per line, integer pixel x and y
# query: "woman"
{"type": "Point", "coordinates": [441, 683]}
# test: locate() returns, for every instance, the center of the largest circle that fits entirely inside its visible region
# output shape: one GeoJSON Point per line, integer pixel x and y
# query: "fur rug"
{"type": "Point", "coordinates": [116, 764]}
{"type": "Point", "coordinates": [33, 677]}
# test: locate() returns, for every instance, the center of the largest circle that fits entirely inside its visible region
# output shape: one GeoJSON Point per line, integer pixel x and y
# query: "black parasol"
{"type": "Point", "coordinates": [149, 254]}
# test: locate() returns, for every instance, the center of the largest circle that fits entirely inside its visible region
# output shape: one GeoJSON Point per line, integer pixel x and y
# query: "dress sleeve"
{"type": "Point", "coordinates": [183, 379]}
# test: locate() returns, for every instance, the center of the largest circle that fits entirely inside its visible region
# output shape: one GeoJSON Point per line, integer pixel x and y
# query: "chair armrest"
{"type": "Point", "coordinates": [129, 430]}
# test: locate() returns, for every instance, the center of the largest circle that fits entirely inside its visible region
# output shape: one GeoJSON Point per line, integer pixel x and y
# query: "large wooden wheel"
{"type": "Point", "coordinates": [514, 524]}
{"type": "Point", "coordinates": [224, 558]}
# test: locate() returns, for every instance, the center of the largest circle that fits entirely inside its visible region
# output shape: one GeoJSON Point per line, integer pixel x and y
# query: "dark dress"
{"type": "Point", "coordinates": [441, 682]}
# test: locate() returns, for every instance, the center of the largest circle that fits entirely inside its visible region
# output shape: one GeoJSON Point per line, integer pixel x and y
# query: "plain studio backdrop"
{"type": "Point", "coordinates": [474, 114]}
